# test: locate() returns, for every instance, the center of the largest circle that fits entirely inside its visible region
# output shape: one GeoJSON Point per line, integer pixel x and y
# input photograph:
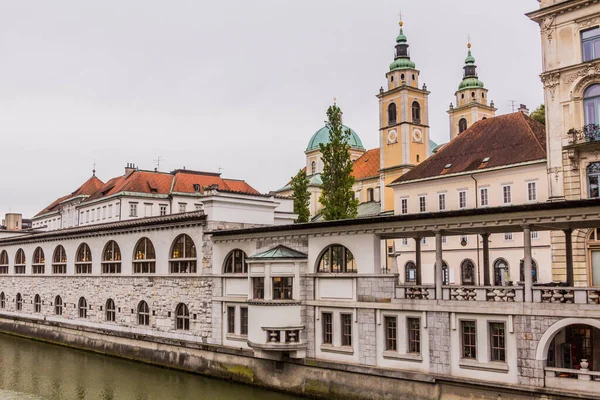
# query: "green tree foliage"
{"type": "Point", "coordinates": [540, 114]}
{"type": "Point", "coordinates": [337, 196]}
{"type": "Point", "coordinates": [301, 196]}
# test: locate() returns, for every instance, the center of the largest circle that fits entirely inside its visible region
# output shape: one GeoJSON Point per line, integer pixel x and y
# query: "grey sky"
{"type": "Point", "coordinates": [237, 84]}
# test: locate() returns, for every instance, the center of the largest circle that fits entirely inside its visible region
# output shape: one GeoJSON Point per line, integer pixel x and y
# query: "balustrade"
{"type": "Point", "coordinates": [589, 133]}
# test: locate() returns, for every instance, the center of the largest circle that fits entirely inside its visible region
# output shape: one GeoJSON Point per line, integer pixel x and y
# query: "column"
{"type": "Point", "coordinates": [569, 257]}
{"type": "Point", "coordinates": [438, 265]}
{"type": "Point", "coordinates": [418, 259]}
{"type": "Point", "coordinates": [527, 264]}
{"type": "Point", "coordinates": [486, 258]}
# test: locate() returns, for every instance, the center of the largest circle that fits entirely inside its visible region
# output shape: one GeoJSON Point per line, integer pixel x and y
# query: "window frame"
{"type": "Point", "coordinates": [19, 302]}
{"type": "Point", "coordinates": [391, 332]}
{"type": "Point", "coordinates": [467, 262]}
{"type": "Point", "coordinates": [327, 327]}
{"type": "Point", "coordinates": [58, 306]}
{"type": "Point", "coordinates": [4, 261]}
{"type": "Point", "coordinates": [182, 317]}
{"type": "Point", "coordinates": [530, 192]}
{"type": "Point", "coordinates": [110, 312]}
{"type": "Point", "coordinates": [422, 204]}
{"type": "Point", "coordinates": [142, 264]}
{"type": "Point", "coordinates": [37, 304]}
{"type": "Point", "coordinates": [82, 307]}
{"type": "Point", "coordinates": [234, 259]}
{"type": "Point", "coordinates": [258, 287]}
{"type": "Point", "coordinates": [244, 321]}
{"type": "Point", "coordinates": [111, 258]}
{"type": "Point", "coordinates": [497, 353]}
{"type": "Point", "coordinates": [59, 260]}
{"type": "Point", "coordinates": [404, 206]}
{"type": "Point", "coordinates": [462, 199]}
{"type": "Point", "coordinates": [346, 322]}
{"type": "Point", "coordinates": [442, 201]}
{"type": "Point", "coordinates": [482, 197]}
{"type": "Point", "coordinates": [231, 320]}
{"type": "Point", "coordinates": [83, 259]}
{"type": "Point", "coordinates": [187, 264]}
{"type": "Point", "coordinates": [20, 262]}
{"type": "Point", "coordinates": [471, 334]}
{"type": "Point", "coordinates": [284, 286]}
{"type": "Point", "coordinates": [507, 194]}
{"type": "Point", "coordinates": [413, 335]}
{"type": "Point", "coordinates": [38, 262]}
{"type": "Point", "coordinates": [591, 40]}
{"type": "Point", "coordinates": [590, 172]}
{"type": "Point", "coordinates": [328, 261]}
{"type": "Point", "coordinates": [143, 313]}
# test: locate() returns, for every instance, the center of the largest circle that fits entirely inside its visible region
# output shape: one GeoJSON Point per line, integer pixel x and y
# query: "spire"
{"type": "Point", "coordinates": [402, 56]}
{"type": "Point", "coordinates": [470, 79]}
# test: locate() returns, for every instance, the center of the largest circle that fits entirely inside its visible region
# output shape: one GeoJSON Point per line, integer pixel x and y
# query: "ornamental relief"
{"type": "Point", "coordinates": [547, 26]}
{"type": "Point", "coordinates": [587, 23]}
{"type": "Point", "coordinates": [587, 71]}
{"type": "Point", "coordinates": [551, 82]}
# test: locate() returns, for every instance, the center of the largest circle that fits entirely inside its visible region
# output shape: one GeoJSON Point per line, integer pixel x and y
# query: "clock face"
{"type": "Point", "coordinates": [392, 137]}
{"type": "Point", "coordinates": [417, 136]}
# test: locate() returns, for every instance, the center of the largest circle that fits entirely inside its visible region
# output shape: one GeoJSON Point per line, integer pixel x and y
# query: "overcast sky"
{"type": "Point", "coordinates": [241, 85]}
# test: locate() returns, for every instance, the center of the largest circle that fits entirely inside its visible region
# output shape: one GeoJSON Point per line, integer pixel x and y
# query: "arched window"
{"type": "Point", "coordinates": [3, 262]}
{"type": "Point", "coordinates": [416, 112]}
{"type": "Point", "coordinates": [313, 167]}
{"type": "Point", "coordinates": [392, 114]}
{"type": "Point", "coordinates": [593, 178]}
{"type": "Point", "coordinates": [500, 272]}
{"type": "Point", "coordinates": [462, 125]}
{"type": "Point", "coordinates": [111, 312]}
{"type": "Point", "coordinates": [82, 306]}
{"type": "Point", "coordinates": [593, 248]}
{"type": "Point", "coordinates": [19, 302]}
{"type": "Point", "coordinates": [370, 194]}
{"type": "Point", "coordinates": [533, 271]}
{"type": "Point", "coordinates": [591, 103]}
{"type": "Point", "coordinates": [143, 313]}
{"type": "Point", "coordinates": [183, 255]}
{"type": "Point", "coordinates": [39, 261]}
{"type": "Point", "coordinates": [20, 262]}
{"type": "Point", "coordinates": [111, 258]}
{"type": "Point", "coordinates": [83, 261]}
{"type": "Point", "coordinates": [235, 262]}
{"type": "Point", "coordinates": [445, 274]}
{"type": "Point", "coordinates": [182, 317]}
{"type": "Point", "coordinates": [144, 259]}
{"type": "Point", "coordinates": [37, 304]}
{"type": "Point", "coordinates": [58, 305]}
{"type": "Point", "coordinates": [337, 259]}
{"type": "Point", "coordinates": [59, 260]}
{"type": "Point", "coordinates": [410, 271]}
{"type": "Point", "coordinates": [467, 272]}
{"type": "Point", "coordinates": [2, 300]}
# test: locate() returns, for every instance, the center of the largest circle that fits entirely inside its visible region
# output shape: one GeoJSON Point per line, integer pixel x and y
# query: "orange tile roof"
{"type": "Point", "coordinates": [506, 140]}
{"type": "Point", "coordinates": [88, 188]}
{"type": "Point", "coordinates": [367, 165]}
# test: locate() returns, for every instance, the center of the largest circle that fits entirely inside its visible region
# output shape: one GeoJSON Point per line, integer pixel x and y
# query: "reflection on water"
{"type": "Point", "coordinates": [31, 370]}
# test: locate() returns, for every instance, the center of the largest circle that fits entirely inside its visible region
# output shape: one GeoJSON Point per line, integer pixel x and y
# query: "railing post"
{"type": "Point", "coordinates": [569, 257]}
{"type": "Point", "coordinates": [438, 265]}
{"type": "Point", "coordinates": [486, 258]}
{"type": "Point", "coordinates": [528, 294]}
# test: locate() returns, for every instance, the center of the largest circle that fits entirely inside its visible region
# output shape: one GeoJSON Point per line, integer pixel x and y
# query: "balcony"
{"type": "Point", "coordinates": [282, 339]}
{"type": "Point", "coordinates": [586, 136]}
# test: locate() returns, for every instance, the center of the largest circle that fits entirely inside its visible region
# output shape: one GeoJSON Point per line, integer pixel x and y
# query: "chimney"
{"type": "Point", "coordinates": [523, 108]}
{"type": "Point", "coordinates": [129, 169]}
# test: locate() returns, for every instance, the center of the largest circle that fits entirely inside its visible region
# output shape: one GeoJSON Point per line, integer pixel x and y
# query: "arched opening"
{"type": "Point", "coordinates": [83, 260]}
{"type": "Point", "coordinates": [313, 167]}
{"type": "Point", "coordinates": [111, 311]}
{"type": "Point", "coordinates": [467, 272]}
{"type": "Point", "coordinates": [235, 262]}
{"type": "Point", "coordinates": [593, 179]}
{"type": "Point", "coordinates": [59, 260]}
{"type": "Point", "coordinates": [462, 125]}
{"type": "Point", "coordinates": [445, 273]}
{"type": "Point", "coordinates": [392, 113]}
{"type": "Point", "coordinates": [182, 317]}
{"type": "Point", "coordinates": [144, 257]}
{"type": "Point", "coordinates": [58, 305]}
{"type": "Point", "coordinates": [534, 271]}
{"type": "Point", "coordinates": [82, 307]}
{"type": "Point", "coordinates": [370, 194]}
{"type": "Point", "coordinates": [143, 313]}
{"type": "Point", "coordinates": [501, 275]}
{"type": "Point", "coordinates": [37, 304]}
{"type": "Point", "coordinates": [19, 302]}
{"type": "Point", "coordinates": [2, 300]}
{"type": "Point", "coordinates": [336, 259]}
{"type": "Point", "coordinates": [410, 273]}
{"type": "Point", "coordinates": [183, 255]}
{"type": "Point", "coordinates": [111, 258]}
{"type": "Point", "coordinates": [573, 347]}
{"type": "Point", "coordinates": [591, 107]}
{"type": "Point", "coordinates": [593, 248]}
{"type": "Point", "coordinates": [20, 262]}
{"type": "Point", "coordinates": [39, 261]}
{"type": "Point", "coordinates": [3, 262]}
{"type": "Point", "coordinates": [416, 112]}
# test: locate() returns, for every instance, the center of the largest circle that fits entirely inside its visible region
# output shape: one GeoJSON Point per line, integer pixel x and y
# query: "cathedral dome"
{"type": "Point", "coordinates": [402, 63]}
{"type": "Point", "coordinates": [322, 136]}
{"type": "Point", "coordinates": [471, 83]}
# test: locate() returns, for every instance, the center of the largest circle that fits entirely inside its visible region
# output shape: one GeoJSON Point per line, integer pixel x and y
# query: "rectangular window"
{"type": "Point", "coordinates": [182, 207]}
{"type": "Point", "coordinates": [469, 339]}
{"type": "Point", "coordinates": [163, 209]}
{"type": "Point", "coordinates": [531, 191]}
{"type": "Point", "coordinates": [19, 269]}
{"type": "Point", "coordinates": [506, 194]}
{"type": "Point", "coordinates": [508, 236]}
{"type": "Point", "coordinates": [483, 194]}
{"type": "Point", "coordinates": [59, 268]}
{"type": "Point", "coordinates": [258, 288]}
{"type": "Point", "coordinates": [243, 320]}
{"type": "Point", "coordinates": [104, 212]}
{"type": "Point", "coordinates": [444, 239]}
{"type": "Point", "coordinates": [231, 320]}
{"type": "Point", "coordinates": [282, 288]}
{"type": "Point", "coordinates": [590, 43]}
{"type": "Point", "coordinates": [535, 235]}
{"type": "Point", "coordinates": [442, 201]}
{"type": "Point", "coordinates": [404, 241]}
{"type": "Point", "coordinates": [424, 240]}
{"type": "Point", "coordinates": [147, 210]}
{"type": "Point", "coordinates": [422, 204]}
{"type": "Point", "coordinates": [110, 211]}
{"type": "Point", "coordinates": [497, 342]}
{"type": "Point", "coordinates": [391, 326]}
{"type": "Point", "coordinates": [414, 335]}
{"type": "Point", "coordinates": [132, 210]}
{"type": "Point", "coordinates": [462, 199]}
{"type": "Point", "coordinates": [117, 210]}
{"type": "Point", "coordinates": [38, 269]}
{"type": "Point", "coordinates": [198, 207]}
{"type": "Point", "coordinates": [87, 216]}
{"type": "Point", "coordinates": [346, 329]}
{"type": "Point", "coordinates": [327, 328]}
{"type": "Point", "coordinates": [404, 206]}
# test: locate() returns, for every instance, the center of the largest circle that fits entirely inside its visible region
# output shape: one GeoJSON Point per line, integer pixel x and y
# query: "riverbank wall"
{"type": "Point", "coordinates": [309, 377]}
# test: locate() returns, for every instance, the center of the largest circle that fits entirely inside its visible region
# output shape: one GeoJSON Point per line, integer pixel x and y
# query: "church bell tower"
{"type": "Point", "coordinates": [403, 120]}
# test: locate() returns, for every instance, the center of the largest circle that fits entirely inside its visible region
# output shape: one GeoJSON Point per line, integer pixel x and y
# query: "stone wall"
{"type": "Point", "coordinates": [162, 294]}
{"type": "Point", "coordinates": [377, 289]}
{"type": "Point", "coordinates": [367, 337]}
{"type": "Point", "coordinates": [438, 325]}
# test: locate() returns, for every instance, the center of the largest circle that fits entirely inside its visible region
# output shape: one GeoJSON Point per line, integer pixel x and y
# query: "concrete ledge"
{"type": "Point", "coordinates": [490, 366]}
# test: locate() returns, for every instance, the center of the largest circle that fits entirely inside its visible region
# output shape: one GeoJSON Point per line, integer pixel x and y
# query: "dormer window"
{"type": "Point", "coordinates": [196, 188]}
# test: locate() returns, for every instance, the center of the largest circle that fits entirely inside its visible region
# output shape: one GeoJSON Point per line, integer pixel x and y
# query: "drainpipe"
{"type": "Point", "coordinates": [477, 206]}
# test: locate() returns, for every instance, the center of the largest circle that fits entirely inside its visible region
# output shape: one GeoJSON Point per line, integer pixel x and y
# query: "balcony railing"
{"type": "Point", "coordinates": [589, 133]}
{"type": "Point", "coordinates": [281, 339]}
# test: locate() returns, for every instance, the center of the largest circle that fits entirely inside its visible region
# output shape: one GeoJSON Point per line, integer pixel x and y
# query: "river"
{"type": "Point", "coordinates": [31, 370]}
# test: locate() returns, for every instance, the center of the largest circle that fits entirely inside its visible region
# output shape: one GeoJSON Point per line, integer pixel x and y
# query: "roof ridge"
{"type": "Point", "coordinates": [530, 129]}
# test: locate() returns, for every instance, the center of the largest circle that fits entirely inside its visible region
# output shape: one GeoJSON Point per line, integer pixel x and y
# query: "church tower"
{"type": "Point", "coordinates": [403, 120]}
{"type": "Point", "coordinates": [471, 100]}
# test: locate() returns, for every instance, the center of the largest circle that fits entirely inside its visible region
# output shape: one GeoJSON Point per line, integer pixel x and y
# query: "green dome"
{"type": "Point", "coordinates": [470, 59]}
{"type": "Point", "coordinates": [402, 63]}
{"type": "Point", "coordinates": [470, 83]}
{"type": "Point", "coordinates": [322, 136]}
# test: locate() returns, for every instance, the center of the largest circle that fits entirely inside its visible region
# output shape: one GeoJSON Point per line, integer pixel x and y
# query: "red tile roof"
{"type": "Point", "coordinates": [367, 165]}
{"type": "Point", "coordinates": [506, 140]}
{"type": "Point", "coordinates": [89, 187]}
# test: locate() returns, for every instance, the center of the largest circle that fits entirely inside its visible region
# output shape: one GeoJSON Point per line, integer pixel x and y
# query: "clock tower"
{"type": "Point", "coordinates": [403, 120]}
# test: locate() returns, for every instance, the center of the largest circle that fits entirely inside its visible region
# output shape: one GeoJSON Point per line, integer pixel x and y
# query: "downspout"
{"type": "Point", "coordinates": [477, 206]}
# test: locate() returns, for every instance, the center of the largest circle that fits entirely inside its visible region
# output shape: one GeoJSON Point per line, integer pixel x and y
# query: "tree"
{"type": "Point", "coordinates": [337, 197]}
{"type": "Point", "coordinates": [301, 195]}
{"type": "Point", "coordinates": [540, 114]}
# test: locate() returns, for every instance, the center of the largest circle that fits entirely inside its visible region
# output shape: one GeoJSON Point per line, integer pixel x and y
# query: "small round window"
{"type": "Point", "coordinates": [402, 76]}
